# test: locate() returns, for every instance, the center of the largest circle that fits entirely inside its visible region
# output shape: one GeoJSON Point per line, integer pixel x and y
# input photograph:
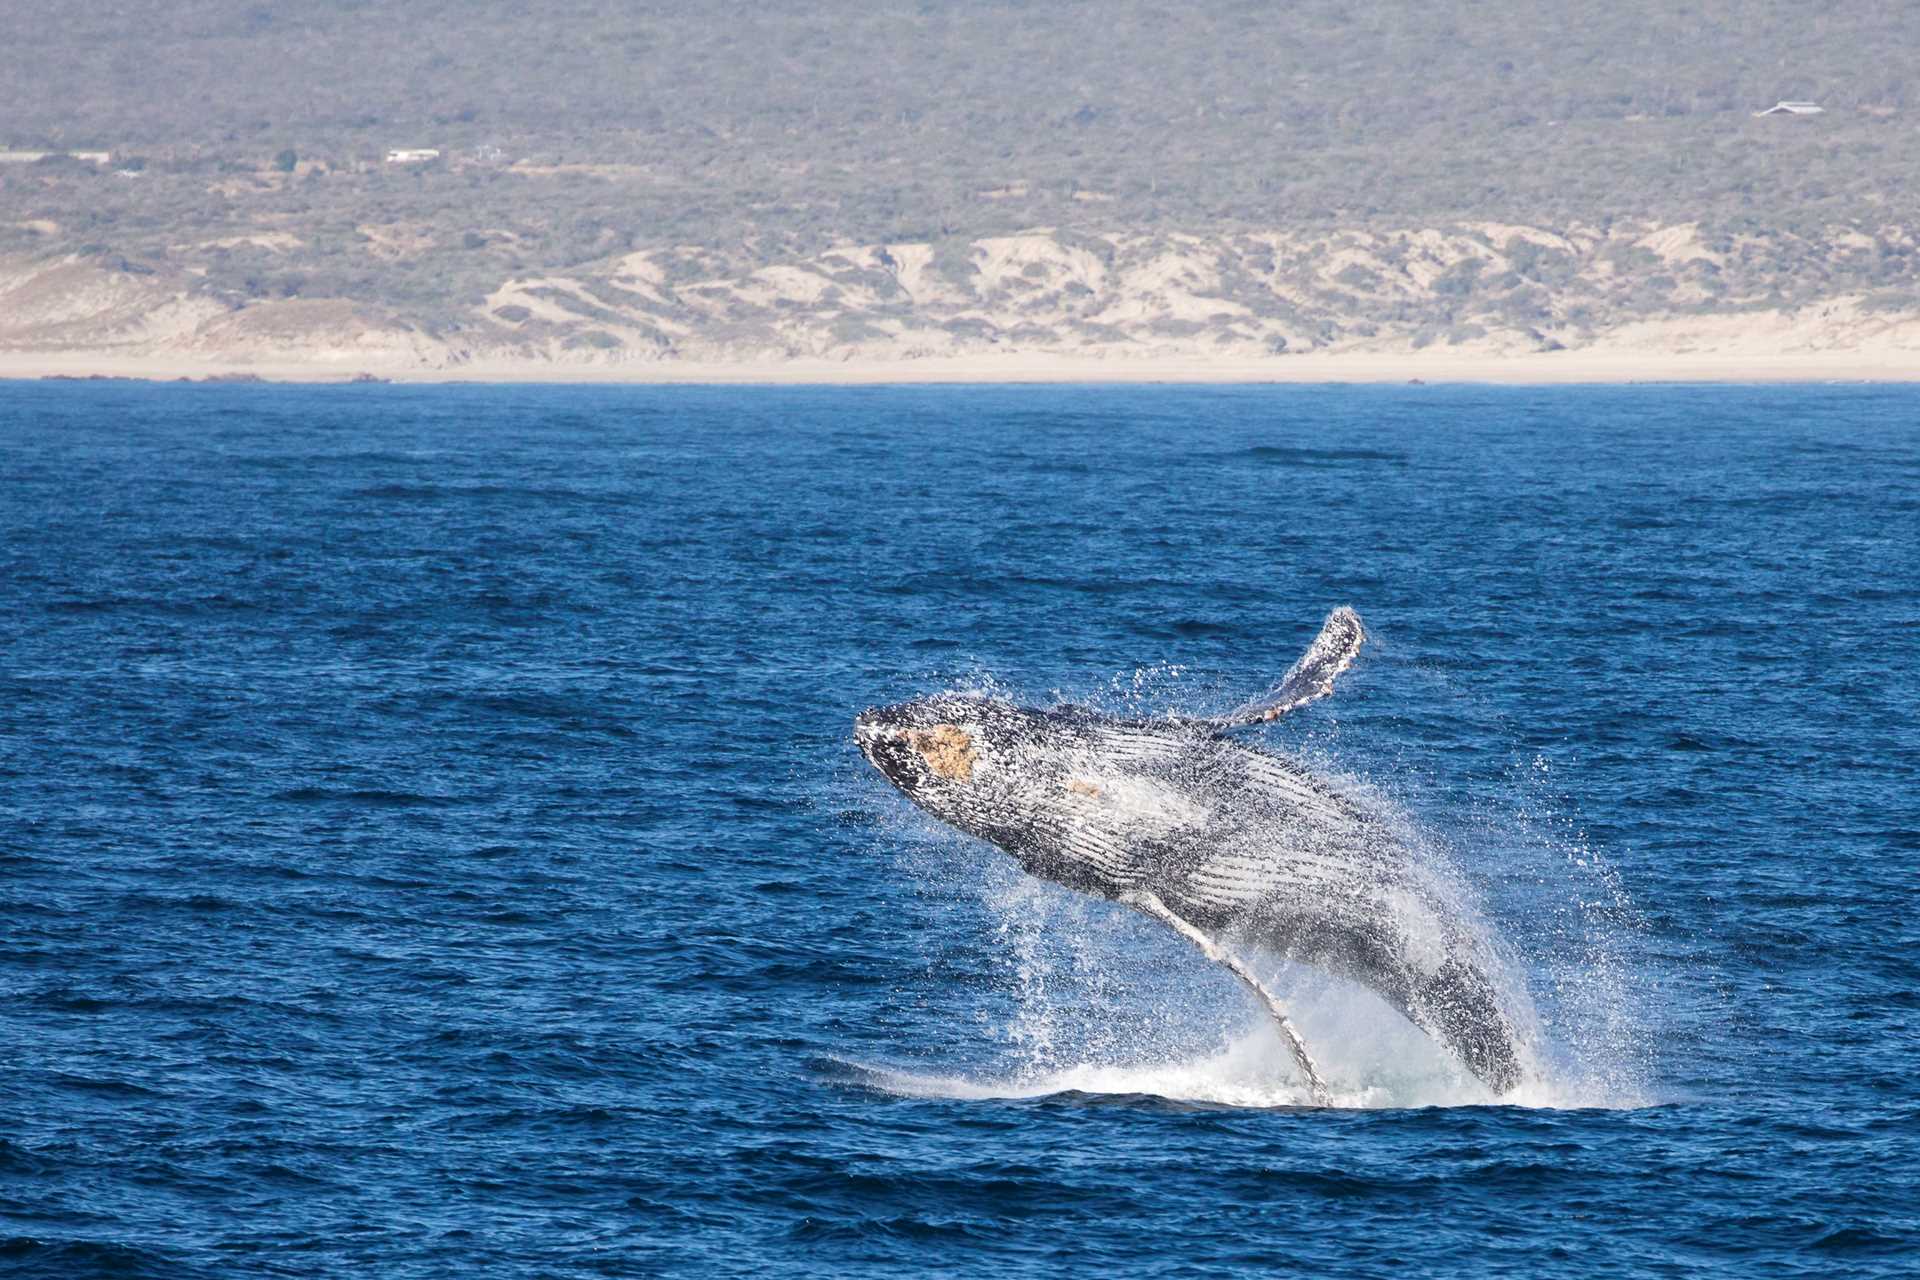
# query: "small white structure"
{"type": "Point", "coordinates": [30, 157]}
{"type": "Point", "coordinates": [411, 155]}
{"type": "Point", "coordinates": [1792, 109]}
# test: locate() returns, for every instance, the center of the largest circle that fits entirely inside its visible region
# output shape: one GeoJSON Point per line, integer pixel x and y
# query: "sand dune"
{"type": "Point", "coordinates": [1479, 302]}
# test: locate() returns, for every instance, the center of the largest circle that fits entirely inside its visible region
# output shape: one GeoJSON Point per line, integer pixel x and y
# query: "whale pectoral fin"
{"type": "Point", "coordinates": [1311, 678]}
{"type": "Point", "coordinates": [1153, 906]}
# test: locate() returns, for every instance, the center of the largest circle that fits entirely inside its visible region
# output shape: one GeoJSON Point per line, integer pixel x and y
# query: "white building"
{"type": "Point", "coordinates": [1792, 109]}
{"type": "Point", "coordinates": [411, 155]}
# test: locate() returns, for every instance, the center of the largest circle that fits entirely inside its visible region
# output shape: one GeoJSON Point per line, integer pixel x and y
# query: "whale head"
{"type": "Point", "coordinates": [973, 762]}
{"type": "Point", "coordinates": [1016, 777]}
{"type": "Point", "coordinates": [940, 747]}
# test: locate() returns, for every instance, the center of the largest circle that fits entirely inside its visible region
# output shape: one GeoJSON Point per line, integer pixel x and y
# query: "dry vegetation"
{"type": "Point", "coordinates": [646, 178]}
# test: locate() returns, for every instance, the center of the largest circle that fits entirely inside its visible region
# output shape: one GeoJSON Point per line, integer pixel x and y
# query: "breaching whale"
{"type": "Point", "coordinates": [1222, 842]}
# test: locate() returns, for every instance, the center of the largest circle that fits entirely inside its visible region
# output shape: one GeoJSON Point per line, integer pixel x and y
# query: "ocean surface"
{"type": "Point", "coordinates": [432, 841]}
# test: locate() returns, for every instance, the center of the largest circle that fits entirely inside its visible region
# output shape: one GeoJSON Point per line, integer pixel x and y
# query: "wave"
{"type": "Point", "coordinates": [32, 1256]}
{"type": "Point", "coordinates": [1303, 456]}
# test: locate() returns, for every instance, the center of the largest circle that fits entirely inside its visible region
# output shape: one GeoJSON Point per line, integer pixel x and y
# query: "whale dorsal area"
{"type": "Point", "coordinates": [1311, 678]}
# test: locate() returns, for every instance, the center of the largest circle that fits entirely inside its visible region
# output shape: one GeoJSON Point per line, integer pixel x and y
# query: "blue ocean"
{"type": "Point", "coordinates": [432, 840]}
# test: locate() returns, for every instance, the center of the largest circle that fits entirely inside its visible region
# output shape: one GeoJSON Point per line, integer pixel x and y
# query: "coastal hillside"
{"type": "Point", "coordinates": [1267, 296]}
{"type": "Point", "coordinates": [632, 182]}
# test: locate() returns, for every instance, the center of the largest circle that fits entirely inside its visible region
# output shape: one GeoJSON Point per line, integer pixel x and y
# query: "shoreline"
{"type": "Point", "coordinates": [1573, 367]}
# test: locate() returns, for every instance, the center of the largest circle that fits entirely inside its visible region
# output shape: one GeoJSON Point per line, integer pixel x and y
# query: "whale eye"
{"type": "Point", "coordinates": [947, 749]}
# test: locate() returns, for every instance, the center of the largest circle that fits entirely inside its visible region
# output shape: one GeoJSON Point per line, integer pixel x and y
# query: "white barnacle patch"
{"type": "Point", "coordinates": [948, 750]}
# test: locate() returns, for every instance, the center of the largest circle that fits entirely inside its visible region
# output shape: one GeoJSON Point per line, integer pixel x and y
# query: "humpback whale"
{"type": "Point", "coordinates": [1220, 841]}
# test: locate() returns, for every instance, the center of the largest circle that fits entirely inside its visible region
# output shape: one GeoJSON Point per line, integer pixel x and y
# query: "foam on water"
{"type": "Point", "coordinates": [1252, 1071]}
